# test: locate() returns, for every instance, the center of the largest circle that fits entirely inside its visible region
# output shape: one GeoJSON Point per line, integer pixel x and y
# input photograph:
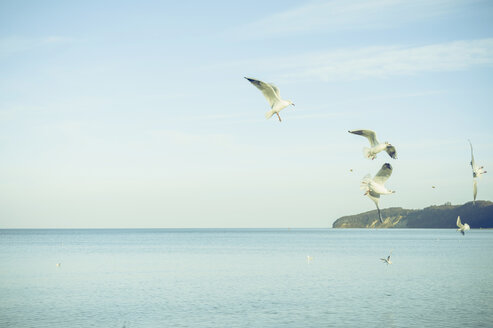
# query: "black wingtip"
{"type": "Point", "coordinates": [388, 166]}
{"type": "Point", "coordinates": [253, 81]}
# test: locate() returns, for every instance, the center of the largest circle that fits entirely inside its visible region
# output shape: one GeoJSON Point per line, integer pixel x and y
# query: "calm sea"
{"type": "Point", "coordinates": [245, 278]}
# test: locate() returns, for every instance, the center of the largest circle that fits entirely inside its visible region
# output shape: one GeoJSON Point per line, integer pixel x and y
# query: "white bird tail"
{"type": "Point", "coordinates": [269, 114]}
{"type": "Point", "coordinates": [367, 152]}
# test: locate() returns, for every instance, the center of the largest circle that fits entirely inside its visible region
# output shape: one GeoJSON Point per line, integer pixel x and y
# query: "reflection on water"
{"type": "Point", "coordinates": [245, 278]}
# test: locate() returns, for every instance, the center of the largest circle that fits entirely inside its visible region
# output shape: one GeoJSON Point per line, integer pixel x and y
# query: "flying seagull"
{"type": "Point", "coordinates": [376, 146]}
{"type": "Point", "coordinates": [273, 96]}
{"type": "Point", "coordinates": [374, 188]}
{"type": "Point", "coordinates": [462, 227]}
{"type": "Point", "coordinates": [477, 171]}
{"type": "Point", "coordinates": [387, 260]}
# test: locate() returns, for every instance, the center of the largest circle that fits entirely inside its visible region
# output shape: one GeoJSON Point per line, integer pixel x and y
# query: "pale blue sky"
{"type": "Point", "coordinates": [136, 114]}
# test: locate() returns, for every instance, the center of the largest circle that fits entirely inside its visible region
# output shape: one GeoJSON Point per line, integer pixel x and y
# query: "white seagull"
{"type": "Point", "coordinates": [374, 188]}
{"type": "Point", "coordinates": [273, 96]}
{"type": "Point", "coordinates": [376, 146]}
{"type": "Point", "coordinates": [477, 171]}
{"type": "Point", "coordinates": [309, 259]}
{"type": "Point", "coordinates": [387, 260]}
{"type": "Point", "coordinates": [462, 227]}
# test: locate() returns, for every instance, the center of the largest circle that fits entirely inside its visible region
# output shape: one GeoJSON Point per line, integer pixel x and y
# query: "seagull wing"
{"type": "Point", "coordinates": [276, 90]}
{"type": "Point", "coordinates": [459, 224]}
{"type": "Point", "coordinates": [269, 92]}
{"type": "Point", "coordinates": [475, 189]}
{"type": "Point", "coordinates": [391, 151]}
{"type": "Point", "coordinates": [473, 163]}
{"type": "Point", "coordinates": [379, 214]}
{"type": "Point", "coordinates": [383, 174]}
{"type": "Point", "coordinates": [375, 198]}
{"type": "Point", "coordinates": [370, 135]}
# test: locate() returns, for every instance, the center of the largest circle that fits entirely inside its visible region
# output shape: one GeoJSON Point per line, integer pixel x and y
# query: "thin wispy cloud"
{"type": "Point", "coordinates": [375, 62]}
{"type": "Point", "coordinates": [348, 14]}
{"type": "Point", "coordinates": [181, 138]}
{"type": "Point", "coordinates": [321, 111]}
{"type": "Point", "coordinates": [382, 62]}
{"type": "Point", "coordinates": [216, 117]}
{"type": "Point", "coordinates": [322, 115]}
{"type": "Point", "coordinates": [12, 45]}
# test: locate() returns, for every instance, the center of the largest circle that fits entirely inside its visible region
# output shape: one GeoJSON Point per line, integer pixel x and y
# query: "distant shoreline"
{"type": "Point", "coordinates": [478, 216]}
{"type": "Point", "coordinates": [209, 229]}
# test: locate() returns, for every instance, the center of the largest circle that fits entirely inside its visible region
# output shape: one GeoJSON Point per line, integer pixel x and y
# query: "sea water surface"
{"type": "Point", "coordinates": [245, 278]}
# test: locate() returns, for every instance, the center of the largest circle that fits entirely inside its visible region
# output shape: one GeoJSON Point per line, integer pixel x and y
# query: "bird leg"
{"type": "Point", "coordinates": [279, 117]}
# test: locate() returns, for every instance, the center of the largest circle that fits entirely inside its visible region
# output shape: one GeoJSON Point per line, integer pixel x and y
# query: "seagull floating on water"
{"type": "Point", "coordinates": [477, 171]}
{"type": "Point", "coordinates": [273, 96]}
{"type": "Point", "coordinates": [376, 146]}
{"type": "Point", "coordinates": [462, 227]}
{"type": "Point", "coordinates": [309, 259]}
{"type": "Point", "coordinates": [375, 187]}
{"type": "Point", "coordinates": [387, 260]}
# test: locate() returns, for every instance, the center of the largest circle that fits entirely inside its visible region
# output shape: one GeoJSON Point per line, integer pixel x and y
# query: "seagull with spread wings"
{"type": "Point", "coordinates": [273, 96]}
{"type": "Point", "coordinates": [462, 227]}
{"type": "Point", "coordinates": [376, 146]}
{"type": "Point", "coordinates": [387, 260]}
{"type": "Point", "coordinates": [375, 187]}
{"type": "Point", "coordinates": [477, 171]}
